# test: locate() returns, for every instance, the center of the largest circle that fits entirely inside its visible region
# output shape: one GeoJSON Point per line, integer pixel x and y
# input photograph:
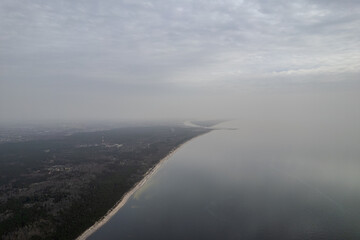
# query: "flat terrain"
{"type": "Point", "coordinates": [58, 187]}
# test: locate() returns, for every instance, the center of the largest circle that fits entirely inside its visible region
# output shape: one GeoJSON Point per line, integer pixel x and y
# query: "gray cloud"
{"type": "Point", "coordinates": [153, 49]}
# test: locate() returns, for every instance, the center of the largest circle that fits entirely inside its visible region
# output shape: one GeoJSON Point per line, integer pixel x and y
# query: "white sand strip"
{"type": "Point", "coordinates": [127, 195]}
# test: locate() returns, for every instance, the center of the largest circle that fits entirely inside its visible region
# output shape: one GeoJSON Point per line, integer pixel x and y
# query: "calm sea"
{"type": "Point", "coordinates": [261, 181]}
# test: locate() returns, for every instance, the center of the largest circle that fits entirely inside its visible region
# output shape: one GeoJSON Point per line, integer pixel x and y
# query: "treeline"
{"type": "Point", "coordinates": [101, 195]}
{"type": "Point", "coordinates": [52, 210]}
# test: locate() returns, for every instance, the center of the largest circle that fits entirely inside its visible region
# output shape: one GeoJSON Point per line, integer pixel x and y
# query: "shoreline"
{"type": "Point", "coordinates": [112, 211]}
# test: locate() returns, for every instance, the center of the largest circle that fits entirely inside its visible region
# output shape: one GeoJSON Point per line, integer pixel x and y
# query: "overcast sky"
{"type": "Point", "coordinates": [164, 58]}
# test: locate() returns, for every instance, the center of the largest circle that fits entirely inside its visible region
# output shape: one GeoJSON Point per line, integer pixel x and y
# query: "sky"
{"type": "Point", "coordinates": [157, 59]}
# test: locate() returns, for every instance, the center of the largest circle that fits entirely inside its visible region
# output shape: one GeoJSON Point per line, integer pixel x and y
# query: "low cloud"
{"type": "Point", "coordinates": [177, 48]}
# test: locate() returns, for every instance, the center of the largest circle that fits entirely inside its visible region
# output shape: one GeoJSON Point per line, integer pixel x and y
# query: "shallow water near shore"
{"type": "Point", "coordinates": [257, 182]}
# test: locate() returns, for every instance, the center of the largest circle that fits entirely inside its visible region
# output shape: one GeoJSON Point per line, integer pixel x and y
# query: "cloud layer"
{"type": "Point", "coordinates": [76, 49]}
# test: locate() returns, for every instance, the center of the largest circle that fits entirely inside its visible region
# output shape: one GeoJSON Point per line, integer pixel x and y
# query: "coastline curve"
{"type": "Point", "coordinates": [103, 220]}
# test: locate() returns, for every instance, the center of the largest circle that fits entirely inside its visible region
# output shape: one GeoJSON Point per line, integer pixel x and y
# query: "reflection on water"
{"type": "Point", "coordinates": [257, 182]}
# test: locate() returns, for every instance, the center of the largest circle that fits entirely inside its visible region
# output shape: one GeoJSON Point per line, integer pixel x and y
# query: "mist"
{"type": "Point", "coordinates": [232, 119]}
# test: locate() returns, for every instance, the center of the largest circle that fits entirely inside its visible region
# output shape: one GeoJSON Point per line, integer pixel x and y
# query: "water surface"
{"type": "Point", "coordinates": [257, 182]}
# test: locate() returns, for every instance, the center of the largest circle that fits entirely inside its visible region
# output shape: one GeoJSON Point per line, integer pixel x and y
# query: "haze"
{"type": "Point", "coordinates": [254, 60]}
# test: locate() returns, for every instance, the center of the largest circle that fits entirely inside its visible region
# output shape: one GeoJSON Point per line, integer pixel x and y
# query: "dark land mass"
{"type": "Point", "coordinates": [21, 132]}
{"type": "Point", "coordinates": [58, 187]}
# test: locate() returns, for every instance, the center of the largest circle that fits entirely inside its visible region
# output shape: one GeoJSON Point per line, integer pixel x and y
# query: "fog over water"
{"type": "Point", "coordinates": [286, 72]}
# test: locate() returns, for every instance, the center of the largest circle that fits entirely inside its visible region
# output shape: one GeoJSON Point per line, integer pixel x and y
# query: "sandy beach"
{"type": "Point", "coordinates": [127, 195]}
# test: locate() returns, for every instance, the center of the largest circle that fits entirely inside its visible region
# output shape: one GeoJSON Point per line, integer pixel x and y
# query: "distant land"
{"type": "Point", "coordinates": [55, 186]}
